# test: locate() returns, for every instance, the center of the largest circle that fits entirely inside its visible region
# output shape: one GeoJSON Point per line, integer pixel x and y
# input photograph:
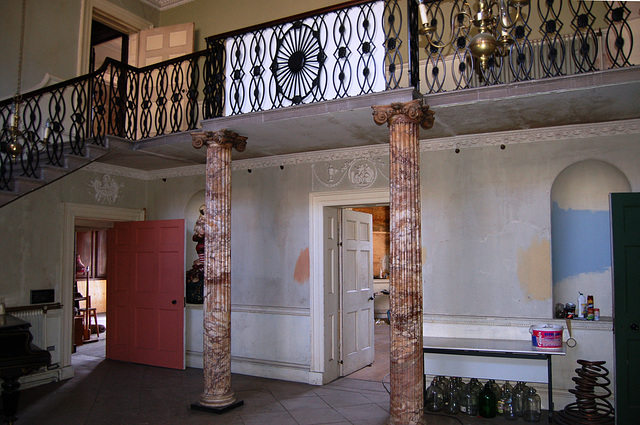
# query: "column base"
{"type": "Point", "coordinates": [217, 409]}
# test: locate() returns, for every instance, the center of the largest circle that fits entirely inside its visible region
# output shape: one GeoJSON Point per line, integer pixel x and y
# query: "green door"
{"type": "Point", "coordinates": [625, 230]}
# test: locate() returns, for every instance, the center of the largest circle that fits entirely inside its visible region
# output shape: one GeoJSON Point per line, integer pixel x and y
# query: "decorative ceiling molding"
{"type": "Point", "coordinates": [580, 131]}
{"type": "Point", "coordinates": [162, 5]}
{"type": "Point", "coordinates": [533, 135]}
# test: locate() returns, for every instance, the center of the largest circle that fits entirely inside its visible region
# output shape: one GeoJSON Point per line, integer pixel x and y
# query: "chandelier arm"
{"type": "Point", "coordinates": [453, 19]}
{"type": "Point", "coordinates": [515, 21]}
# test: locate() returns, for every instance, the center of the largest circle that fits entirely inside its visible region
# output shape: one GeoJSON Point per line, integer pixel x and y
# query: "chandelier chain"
{"type": "Point", "coordinates": [19, 84]}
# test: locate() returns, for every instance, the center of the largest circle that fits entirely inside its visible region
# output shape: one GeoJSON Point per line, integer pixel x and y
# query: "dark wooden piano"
{"type": "Point", "coordinates": [18, 357]}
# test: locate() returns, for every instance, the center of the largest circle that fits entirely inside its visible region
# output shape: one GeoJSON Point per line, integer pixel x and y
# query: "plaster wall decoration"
{"type": "Point", "coordinates": [105, 189]}
{"type": "Point", "coordinates": [359, 173]}
{"type": "Point", "coordinates": [162, 5]}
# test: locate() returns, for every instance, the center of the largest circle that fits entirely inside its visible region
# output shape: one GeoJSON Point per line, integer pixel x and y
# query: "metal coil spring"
{"type": "Point", "coordinates": [590, 407]}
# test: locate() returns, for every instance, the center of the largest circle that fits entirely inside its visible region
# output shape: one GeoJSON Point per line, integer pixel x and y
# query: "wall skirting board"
{"type": "Point", "coordinates": [46, 377]}
{"type": "Point", "coordinates": [256, 367]}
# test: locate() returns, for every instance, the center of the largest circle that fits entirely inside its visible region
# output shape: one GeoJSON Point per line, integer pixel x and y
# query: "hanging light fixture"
{"type": "Point", "coordinates": [13, 138]}
{"type": "Point", "coordinates": [492, 39]}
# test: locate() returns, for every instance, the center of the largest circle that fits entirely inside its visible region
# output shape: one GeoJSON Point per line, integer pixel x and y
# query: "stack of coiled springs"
{"type": "Point", "coordinates": [591, 407]}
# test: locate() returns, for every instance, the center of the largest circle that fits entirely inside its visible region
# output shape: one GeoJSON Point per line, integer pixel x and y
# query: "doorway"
{"type": "Point", "coordinates": [75, 214]}
{"type": "Point", "coordinates": [107, 42]}
{"type": "Point", "coordinates": [325, 355]}
{"type": "Point", "coordinates": [90, 287]}
{"type": "Point", "coordinates": [379, 369]}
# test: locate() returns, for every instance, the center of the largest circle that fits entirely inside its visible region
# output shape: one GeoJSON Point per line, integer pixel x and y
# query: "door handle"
{"type": "Point", "coordinates": [174, 302]}
{"type": "Point", "coordinates": [634, 326]}
{"type": "Point", "coordinates": [370, 298]}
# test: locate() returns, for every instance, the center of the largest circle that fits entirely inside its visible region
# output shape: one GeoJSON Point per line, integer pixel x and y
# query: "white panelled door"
{"type": "Point", "coordinates": [331, 294]}
{"type": "Point", "coordinates": [357, 342]}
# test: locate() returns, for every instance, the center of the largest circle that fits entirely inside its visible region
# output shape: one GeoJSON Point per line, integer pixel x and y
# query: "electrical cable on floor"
{"type": "Point", "coordinates": [428, 413]}
{"type": "Point", "coordinates": [443, 415]}
{"type": "Point", "coordinates": [385, 387]}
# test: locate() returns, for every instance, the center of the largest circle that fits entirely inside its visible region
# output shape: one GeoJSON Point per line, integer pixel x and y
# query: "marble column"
{"type": "Point", "coordinates": [217, 395]}
{"type": "Point", "coordinates": [405, 280]}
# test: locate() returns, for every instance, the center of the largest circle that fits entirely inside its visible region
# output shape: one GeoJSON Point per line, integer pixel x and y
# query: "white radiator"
{"type": "Point", "coordinates": [38, 328]}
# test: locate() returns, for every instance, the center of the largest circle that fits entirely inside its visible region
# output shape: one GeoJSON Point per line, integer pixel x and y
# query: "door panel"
{"type": "Point", "coordinates": [625, 230]}
{"type": "Point", "coordinates": [331, 294]}
{"type": "Point", "coordinates": [357, 291]}
{"type": "Point", "coordinates": [158, 45]}
{"type": "Point", "coordinates": [145, 293]}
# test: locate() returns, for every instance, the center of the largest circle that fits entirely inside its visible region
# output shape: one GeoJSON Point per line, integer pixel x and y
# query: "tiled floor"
{"type": "Point", "coordinates": [110, 392]}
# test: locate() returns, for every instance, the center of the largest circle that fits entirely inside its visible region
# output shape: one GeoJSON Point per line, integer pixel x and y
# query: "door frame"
{"type": "Point", "coordinates": [110, 15]}
{"type": "Point", "coordinates": [71, 212]}
{"type": "Point", "coordinates": [317, 202]}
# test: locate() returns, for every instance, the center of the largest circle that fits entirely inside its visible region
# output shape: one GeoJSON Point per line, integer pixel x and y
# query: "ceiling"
{"type": "Point", "coordinates": [587, 98]}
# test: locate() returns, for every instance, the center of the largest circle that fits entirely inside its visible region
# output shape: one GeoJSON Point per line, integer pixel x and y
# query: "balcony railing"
{"type": "Point", "coordinates": [356, 48]}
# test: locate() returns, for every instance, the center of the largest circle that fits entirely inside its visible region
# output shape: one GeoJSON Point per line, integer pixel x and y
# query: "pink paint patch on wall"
{"type": "Point", "coordinates": [301, 273]}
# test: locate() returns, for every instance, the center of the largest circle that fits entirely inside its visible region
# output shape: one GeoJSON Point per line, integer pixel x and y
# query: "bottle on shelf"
{"type": "Point", "coordinates": [581, 306]}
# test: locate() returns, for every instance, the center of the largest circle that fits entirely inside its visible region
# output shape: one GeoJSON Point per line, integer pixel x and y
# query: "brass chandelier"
{"type": "Point", "coordinates": [13, 138]}
{"type": "Point", "coordinates": [492, 39]}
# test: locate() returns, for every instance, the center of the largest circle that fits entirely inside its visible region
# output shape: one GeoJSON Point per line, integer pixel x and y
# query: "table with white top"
{"type": "Point", "coordinates": [508, 360]}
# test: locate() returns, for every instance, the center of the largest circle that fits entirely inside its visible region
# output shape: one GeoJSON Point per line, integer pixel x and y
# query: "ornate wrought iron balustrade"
{"type": "Point", "coordinates": [117, 100]}
{"type": "Point", "coordinates": [556, 38]}
{"type": "Point", "coordinates": [328, 54]}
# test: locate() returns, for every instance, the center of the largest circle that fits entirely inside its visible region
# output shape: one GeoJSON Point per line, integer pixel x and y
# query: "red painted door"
{"type": "Point", "coordinates": [145, 293]}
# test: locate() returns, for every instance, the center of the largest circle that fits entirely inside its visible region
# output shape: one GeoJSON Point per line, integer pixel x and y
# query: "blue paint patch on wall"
{"type": "Point", "coordinates": [580, 242]}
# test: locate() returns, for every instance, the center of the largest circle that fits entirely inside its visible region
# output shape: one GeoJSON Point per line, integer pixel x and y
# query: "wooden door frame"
{"type": "Point", "coordinates": [108, 14]}
{"type": "Point", "coordinates": [317, 202]}
{"type": "Point", "coordinates": [71, 212]}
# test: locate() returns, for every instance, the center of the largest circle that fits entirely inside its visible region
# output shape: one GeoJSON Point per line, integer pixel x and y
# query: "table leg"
{"type": "Point", "coordinates": [549, 373]}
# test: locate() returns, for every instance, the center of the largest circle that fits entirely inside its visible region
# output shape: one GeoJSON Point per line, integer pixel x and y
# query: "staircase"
{"type": "Point", "coordinates": [21, 185]}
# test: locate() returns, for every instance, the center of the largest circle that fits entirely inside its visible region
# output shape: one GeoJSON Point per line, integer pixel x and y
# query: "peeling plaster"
{"type": "Point", "coordinates": [534, 269]}
{"type": "Point", "coordinates": [301, 272]}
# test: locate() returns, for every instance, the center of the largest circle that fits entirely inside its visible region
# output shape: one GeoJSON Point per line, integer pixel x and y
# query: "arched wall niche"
{"type": "Point", "coordinates": [580, 231]}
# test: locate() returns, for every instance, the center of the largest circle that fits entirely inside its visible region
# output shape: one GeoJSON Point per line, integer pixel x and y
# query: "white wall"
{"type": "Point", "coordinates": [486, 232]}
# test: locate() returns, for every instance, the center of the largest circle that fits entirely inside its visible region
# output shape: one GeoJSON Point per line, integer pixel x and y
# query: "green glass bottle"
{"type": "Point", "coordinates": [487, 402]}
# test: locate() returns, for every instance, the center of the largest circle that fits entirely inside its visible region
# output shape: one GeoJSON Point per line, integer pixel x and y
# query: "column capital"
{"type": "Point", "coordinates": [225, 138]}
{"type": "Point", "coordinates": [413, 111]}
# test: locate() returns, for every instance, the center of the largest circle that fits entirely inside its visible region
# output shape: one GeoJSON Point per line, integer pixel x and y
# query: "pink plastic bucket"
{"type": "Point", "coordinates": [546, 336]}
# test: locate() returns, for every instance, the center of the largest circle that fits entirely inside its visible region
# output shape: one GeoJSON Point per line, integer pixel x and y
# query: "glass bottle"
{"type": "Point", "coordinates": [469, 400]}
{"type": "Point", "coordinates": [487, 402]}
{"type": "Point", "coordinates": [508, 410]}
{"type": "Point", "coordinates": [532, 406]}
{"type": "Point", "coordinates": [452, 404]}
{"type": "Point", "coordinates": [434, 397]}
{"type": "Point", "coordinates": [505, 394]}
{"type": "Point", "coordinates": [476, 384]}
{"type": "Point", "coordinates": [518, 395]}
{"type": "Point", "coordinates": [496, 391]}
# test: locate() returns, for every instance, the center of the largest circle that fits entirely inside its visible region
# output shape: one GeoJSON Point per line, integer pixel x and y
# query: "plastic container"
{"type": "Point", "coordinates": [546, 336]}
{"type": "Point", "coordinates": [581, 306]}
